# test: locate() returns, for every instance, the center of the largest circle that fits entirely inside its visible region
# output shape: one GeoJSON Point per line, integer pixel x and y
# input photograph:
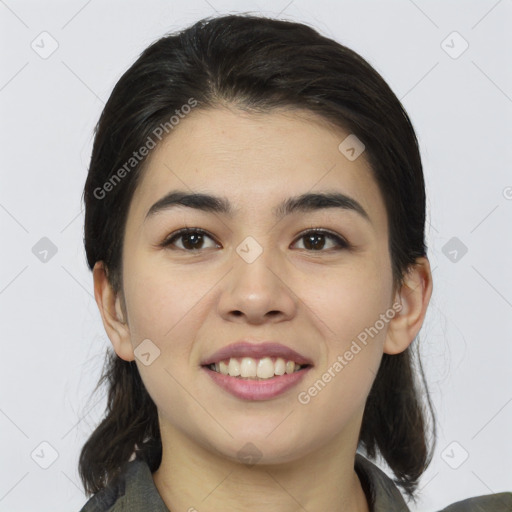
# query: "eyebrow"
{"type": "Point", "coordinates": [303, 203]}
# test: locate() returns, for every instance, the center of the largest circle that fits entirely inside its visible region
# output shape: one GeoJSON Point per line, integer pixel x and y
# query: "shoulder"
{"type": "Point", "coordinates": [381, 492]}
{"type": "Point", "coordinates": [132, 490]}
{"type": "Point", "coordinates": [108, 498]}
{"type": "Point", "coordinates": [383, 495]}
{"type": "Point", "coordinates": [499, 502]}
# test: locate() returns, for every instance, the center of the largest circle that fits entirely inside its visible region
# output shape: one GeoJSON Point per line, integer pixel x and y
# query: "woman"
{"type": "Point", "coordinates": [255, 211]}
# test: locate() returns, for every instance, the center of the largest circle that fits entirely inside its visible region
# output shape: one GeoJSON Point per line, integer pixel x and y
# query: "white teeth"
{"type": "Point", "coordinates": [290, 366]}
{"type": "Point", "coordinates": [280, 366]}
{"type": "Point", "coordinates": [250, 368]}
{"type": "Point", "coordinates": [234, 367]}
{"type": "Point", "coordinates": [265, 368]}
{"type": "Point", "coordinates": [223, 368]}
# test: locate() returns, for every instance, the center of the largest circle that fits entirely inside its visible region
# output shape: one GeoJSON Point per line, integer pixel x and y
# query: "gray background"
{"type": "Point", "coordinates": [53, 340]}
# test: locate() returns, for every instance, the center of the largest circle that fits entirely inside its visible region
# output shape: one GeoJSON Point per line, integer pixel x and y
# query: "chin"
{"type": "Point", "coordinates": [258, 447]}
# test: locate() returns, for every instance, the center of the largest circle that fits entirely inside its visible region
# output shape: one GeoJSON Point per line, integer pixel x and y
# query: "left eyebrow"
{"type": "Point", "coordinates": [303, 203]}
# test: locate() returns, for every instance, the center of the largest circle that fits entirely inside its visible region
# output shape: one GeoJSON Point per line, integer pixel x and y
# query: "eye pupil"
{"type": "Point", "coordinates": [194, 239]}
{"type": "Point", "coordinates": [312, 241]}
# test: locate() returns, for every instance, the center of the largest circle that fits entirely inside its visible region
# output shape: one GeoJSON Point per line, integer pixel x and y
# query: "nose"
{"type": "Point", "coordinates": [257, 292]}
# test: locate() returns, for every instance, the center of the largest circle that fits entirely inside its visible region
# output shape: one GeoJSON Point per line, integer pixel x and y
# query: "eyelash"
{"type": "Point", "coordinates": [340, 241]}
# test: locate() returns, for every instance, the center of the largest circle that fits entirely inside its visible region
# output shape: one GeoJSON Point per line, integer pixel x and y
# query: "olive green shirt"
{"type": "Point", "coordinates": [135, 491]}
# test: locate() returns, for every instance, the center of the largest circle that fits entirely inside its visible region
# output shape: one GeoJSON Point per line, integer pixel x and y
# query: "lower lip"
{"type": "Point", "coordinates": [257, 389]}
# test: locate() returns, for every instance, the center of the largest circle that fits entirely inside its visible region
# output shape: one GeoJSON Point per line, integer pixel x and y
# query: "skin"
{"type": "Point", "coordinates": [316, 301]}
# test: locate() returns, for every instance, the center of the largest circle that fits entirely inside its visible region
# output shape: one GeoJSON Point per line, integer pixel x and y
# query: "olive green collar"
{"type": "Point", "coordinates": [134, 491]}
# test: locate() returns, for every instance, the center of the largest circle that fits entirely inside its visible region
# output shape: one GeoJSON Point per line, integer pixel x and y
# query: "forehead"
{"type": "Point", "coordinates": [256, 160]}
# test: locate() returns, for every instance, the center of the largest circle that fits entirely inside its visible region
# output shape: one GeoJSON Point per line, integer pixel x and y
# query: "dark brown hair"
{"type": "Point", "coordinates": [256, 64]}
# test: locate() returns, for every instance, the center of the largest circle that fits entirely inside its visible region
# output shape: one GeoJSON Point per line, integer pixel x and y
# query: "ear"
{"type": "Point", "coordinates": [109, 304]}
{"type": "Point", "coordinates": [414, 296]}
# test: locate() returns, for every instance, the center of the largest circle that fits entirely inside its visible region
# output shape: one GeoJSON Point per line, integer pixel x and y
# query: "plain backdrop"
{"type": "Point", "coordinates": [449, 63]}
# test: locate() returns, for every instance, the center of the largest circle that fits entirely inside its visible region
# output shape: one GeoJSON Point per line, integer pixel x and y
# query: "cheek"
{"type": "Point", "coordinates": [165, 307]}
{"type": "Point", "coordinates": [349, 300]}
{"type": "Point", "coordinates": [350, 309]}
{"type": "Point", "coordinates": [162, 303]}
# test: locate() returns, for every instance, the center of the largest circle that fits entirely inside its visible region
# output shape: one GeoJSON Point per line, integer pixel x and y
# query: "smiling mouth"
{"type": "Point", "coordinates": [250, 368]}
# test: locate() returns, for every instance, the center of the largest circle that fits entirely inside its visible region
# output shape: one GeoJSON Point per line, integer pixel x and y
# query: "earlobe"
{"type": "Point", "coordinates": [414, 296]}
{"type": "Point", "coordinates": [114, 321]}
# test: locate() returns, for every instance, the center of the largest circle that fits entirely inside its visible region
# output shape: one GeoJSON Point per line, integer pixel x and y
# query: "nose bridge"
{"type": "Point", "coordinates": [255, 267]}
{"type": "Point", "coordinates": [256, 289]}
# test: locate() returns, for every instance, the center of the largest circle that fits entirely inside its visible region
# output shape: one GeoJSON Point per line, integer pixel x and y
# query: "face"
{"type": "Point", "coordinates": [309, 283]}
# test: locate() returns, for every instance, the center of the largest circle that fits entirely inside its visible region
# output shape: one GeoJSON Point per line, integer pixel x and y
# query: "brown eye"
{"type": "Point", "coordinates": [315, 240]}
{"type": "Point", "coordinates": [192, 239]}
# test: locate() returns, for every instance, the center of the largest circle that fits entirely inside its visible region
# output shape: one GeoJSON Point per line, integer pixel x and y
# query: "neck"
{"type": "Point", "coordinates": [194, 479]}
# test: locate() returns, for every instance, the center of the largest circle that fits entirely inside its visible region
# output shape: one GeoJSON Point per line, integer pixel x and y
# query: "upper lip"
{"type": "Point", "coordinates": [256, 351]}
